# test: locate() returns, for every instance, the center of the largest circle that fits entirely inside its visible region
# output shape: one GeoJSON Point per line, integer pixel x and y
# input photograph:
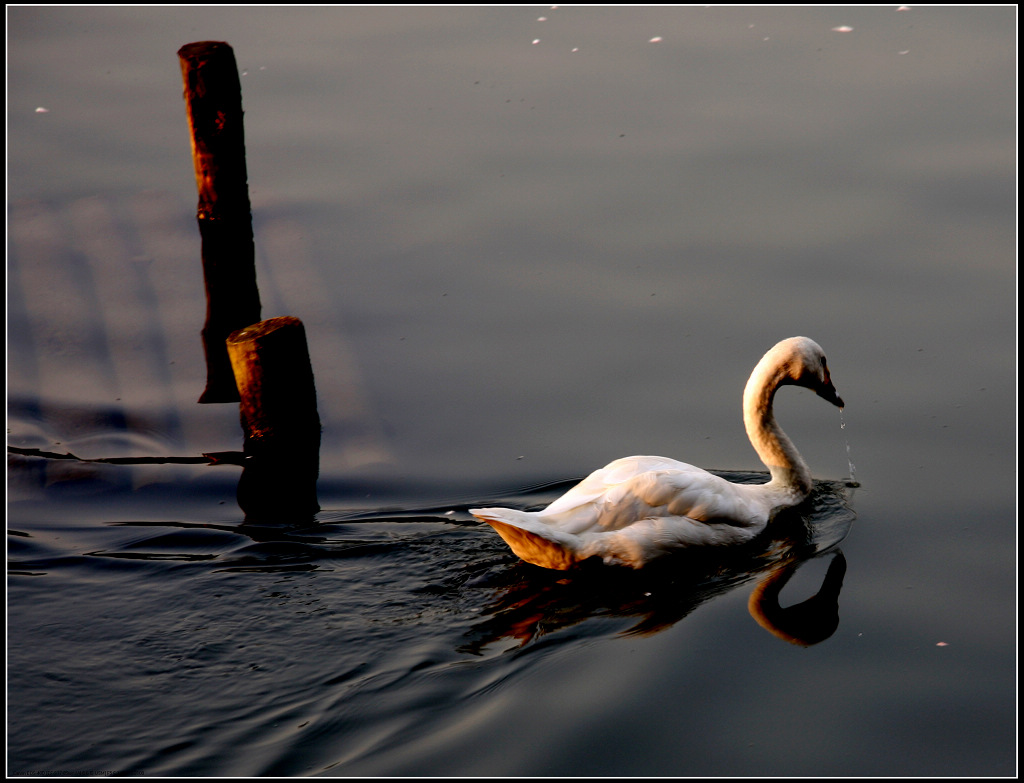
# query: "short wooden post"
{"type": "Point", "coordinates": [279, 418]}
{"type": "Point", "coordinates": [213, 97]}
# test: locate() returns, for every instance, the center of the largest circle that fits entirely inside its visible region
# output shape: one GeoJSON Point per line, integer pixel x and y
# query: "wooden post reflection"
{"type": "Point", "coordinates": [213, 97]}
{"type": "Point", "coordinates": [279, 418]}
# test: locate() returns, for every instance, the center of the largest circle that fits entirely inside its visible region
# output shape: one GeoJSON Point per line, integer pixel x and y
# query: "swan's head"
{"type": "Point", "coordinates": [801, 362]}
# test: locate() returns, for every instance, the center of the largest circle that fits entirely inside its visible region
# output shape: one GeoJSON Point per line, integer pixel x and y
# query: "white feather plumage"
{"type": "Point", "coordinates": [639, 508]}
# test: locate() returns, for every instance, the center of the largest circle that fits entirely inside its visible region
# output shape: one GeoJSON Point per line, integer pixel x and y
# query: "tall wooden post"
{"type": "Point", "coordinates": [213, 97]}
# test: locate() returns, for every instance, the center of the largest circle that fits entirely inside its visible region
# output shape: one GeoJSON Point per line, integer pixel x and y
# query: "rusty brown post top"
{"type": "Point", "coordinates": [213, 98]}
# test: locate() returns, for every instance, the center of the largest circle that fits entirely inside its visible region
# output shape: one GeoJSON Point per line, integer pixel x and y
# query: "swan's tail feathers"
{"type": "Point", "coordinates": [531, 540]}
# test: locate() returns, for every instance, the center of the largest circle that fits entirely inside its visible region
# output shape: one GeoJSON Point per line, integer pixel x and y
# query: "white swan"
{"type": "Point", "coordinates": [639, 508]}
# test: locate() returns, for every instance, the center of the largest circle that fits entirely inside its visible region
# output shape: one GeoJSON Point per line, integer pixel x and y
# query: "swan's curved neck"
{"type": "Point", "coordinates": [789, 471]}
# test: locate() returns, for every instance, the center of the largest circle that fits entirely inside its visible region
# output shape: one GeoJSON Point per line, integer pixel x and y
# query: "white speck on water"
{"type": "Point", "coordinates": [905, 51]}
{"type": "Point", "coordinates": [536, 41]}
{"type": "Point", "coordinates": [576, 48]}
{"type": "Point", "coordinates": [942, 644]}
{"type": "Point", "coordinates": [842, 29]}
{"type": "Point", "coordinates": [656, 39]}
{"type": "Point", "coordinates": [42, 110]}
{"type": "Point", "coordinates": [903, 8]}
{"type": "Point", "coordinates": [542, 18]}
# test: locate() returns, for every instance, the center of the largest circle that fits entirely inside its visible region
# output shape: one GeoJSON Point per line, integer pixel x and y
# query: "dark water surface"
{"type": "Point", "coordinates": [521, 248]}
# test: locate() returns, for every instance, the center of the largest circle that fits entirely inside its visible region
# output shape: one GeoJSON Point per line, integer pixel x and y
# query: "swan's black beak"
{"type": "Point", "coordinates": [828, 392]}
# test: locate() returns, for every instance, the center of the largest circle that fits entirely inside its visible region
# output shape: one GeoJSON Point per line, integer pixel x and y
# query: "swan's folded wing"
{"type": "Point", "coordinates": [637, 488]}
{"type": "Point", "coordinates": [706, 498]}
{"type": "Point", "coordinates": [640, 543]}
{"type": "Point", "coordinates": [613, 481]}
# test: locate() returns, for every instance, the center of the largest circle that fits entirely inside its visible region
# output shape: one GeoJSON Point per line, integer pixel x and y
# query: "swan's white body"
{"type": "Point", "coordinates": [639, 508]}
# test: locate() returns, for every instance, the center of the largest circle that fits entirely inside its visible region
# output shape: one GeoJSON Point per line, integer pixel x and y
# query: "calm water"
{"type": "Point", "coordinates": [521, 248]}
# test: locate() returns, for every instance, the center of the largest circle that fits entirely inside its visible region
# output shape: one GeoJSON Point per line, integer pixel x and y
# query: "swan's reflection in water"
{"type": "Point", "coordinates": [534, 602]}
{"type": "Point", "coordinates": [805, 623]}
